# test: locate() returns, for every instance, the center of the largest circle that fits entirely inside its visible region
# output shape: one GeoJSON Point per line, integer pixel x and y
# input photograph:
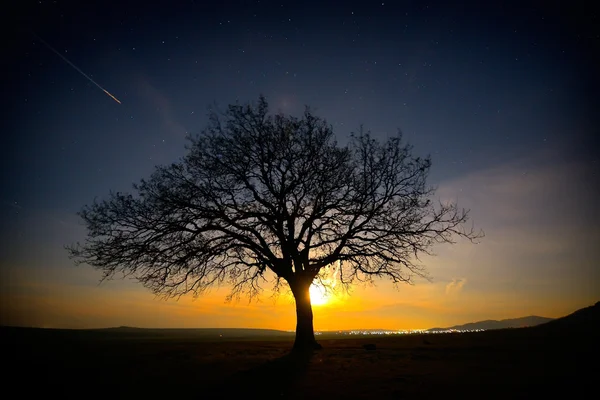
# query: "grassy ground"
{"type": "Point", "coordinates": [517, 363]}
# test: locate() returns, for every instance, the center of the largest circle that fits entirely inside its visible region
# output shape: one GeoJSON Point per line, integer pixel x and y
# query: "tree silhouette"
{"type": "Point", "coordinates": [272, 198]}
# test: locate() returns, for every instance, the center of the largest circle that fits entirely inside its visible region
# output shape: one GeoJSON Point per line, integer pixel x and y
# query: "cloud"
{"type": "Point", "coordinates": [540, 221]}
{"type": "Point", "coordinates": [542, 190]}
{"type": "Point", "coordinates": [163, 106]}
{"type": "Point", "coordinates": [535, 207]}
{"type": "Point", "coordinates": [455, 286]}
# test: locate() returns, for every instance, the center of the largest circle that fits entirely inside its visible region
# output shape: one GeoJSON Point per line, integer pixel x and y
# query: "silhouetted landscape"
{"type": "Point", "coordinates": [131, 362]}
{"type": "Point", "coordinates": [345, 167]}
{"type": "Point", "coordinates": [212, 333]}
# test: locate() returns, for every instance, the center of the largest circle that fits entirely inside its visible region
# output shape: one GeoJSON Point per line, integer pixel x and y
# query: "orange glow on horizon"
{"type": "Point", "coordinates": [419, 307]}
{"type": "Point", "coordinates": [42, 297]}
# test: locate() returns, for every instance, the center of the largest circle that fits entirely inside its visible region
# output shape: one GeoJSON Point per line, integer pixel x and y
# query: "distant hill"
{"type": "Point", "coordinates": [585, 319]}
{"type": "Point", "coordinates": [237, 333]}
{"type": "Point", "coordinates": [151, 333]}
{"type": "Point", "coordinates": [522, 322]}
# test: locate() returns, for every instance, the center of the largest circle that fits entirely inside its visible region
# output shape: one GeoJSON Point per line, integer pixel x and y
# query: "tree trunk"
{"type": "Point", "coordinates": [305, 334]}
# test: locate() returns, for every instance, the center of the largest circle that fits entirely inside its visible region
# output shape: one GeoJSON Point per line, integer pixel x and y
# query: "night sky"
{"type": "Point", "coordinates": [503, 98]}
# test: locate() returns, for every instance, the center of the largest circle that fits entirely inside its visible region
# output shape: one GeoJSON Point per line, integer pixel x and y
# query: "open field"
{"type": "Point", "coordinates": [515, 363]}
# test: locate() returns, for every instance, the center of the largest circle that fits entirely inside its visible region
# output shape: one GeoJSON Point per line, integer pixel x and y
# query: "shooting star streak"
{"type": "Point", "coordinates": [75, 67]}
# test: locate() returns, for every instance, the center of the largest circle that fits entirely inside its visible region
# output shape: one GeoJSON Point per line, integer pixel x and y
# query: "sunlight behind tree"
{"type": "Point", "coordinates": [318, 295]}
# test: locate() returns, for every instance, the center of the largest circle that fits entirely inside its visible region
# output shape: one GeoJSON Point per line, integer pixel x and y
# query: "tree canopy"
{"type": "Point", "coordinates": [260, 192]}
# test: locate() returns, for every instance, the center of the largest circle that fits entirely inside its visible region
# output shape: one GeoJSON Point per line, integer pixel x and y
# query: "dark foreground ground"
{"type": "Point", "coordinates": [516, 363]}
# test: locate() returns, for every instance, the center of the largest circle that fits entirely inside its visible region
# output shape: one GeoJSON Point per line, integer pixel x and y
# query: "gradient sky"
{"type": "Point", "coordinates": [503, 98]}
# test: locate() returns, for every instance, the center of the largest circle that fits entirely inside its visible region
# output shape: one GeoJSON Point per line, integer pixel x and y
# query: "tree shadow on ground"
{"type": "Point", "coordinates": [276, 378]}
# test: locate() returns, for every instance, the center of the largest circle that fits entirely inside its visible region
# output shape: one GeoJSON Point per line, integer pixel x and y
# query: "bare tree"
{"type": "Point", "coordinates": [261, 195]}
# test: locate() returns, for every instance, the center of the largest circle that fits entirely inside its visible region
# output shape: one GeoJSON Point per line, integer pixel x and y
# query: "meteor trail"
{"type": "Point", "coordinates": [75, 67]}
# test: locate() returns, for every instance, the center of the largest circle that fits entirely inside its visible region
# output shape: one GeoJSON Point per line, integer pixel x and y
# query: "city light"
{"type": "Point", "coordinates": [397, 332]}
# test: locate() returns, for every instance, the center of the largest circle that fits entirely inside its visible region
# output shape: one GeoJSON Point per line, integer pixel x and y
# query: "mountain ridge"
{"type": "Point", "coordinates": [488, 324]}
{"type": "Point", "coordinates": [584, 319]}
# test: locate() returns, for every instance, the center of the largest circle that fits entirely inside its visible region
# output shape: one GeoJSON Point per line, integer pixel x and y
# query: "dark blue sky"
{"type": "Point", "coordinates": [476, 86]}
{"type": "Point", "coordinates": [470, 85]}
